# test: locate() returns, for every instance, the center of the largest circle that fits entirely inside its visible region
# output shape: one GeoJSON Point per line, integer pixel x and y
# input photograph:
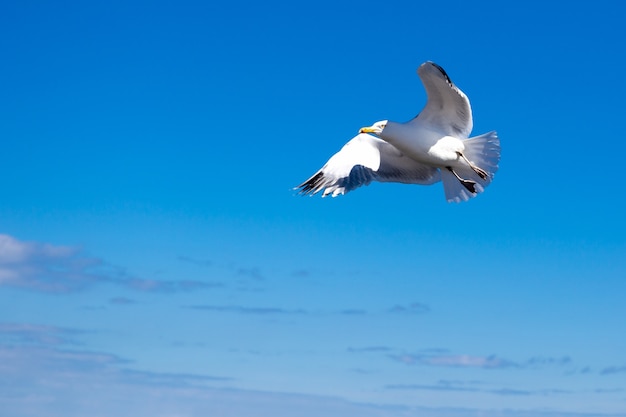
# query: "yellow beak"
{"type": "Point", "coordinates": [367, 130]}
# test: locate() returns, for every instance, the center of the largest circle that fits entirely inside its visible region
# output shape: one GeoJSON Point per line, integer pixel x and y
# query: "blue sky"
{"type": "Point", "coordinates": [154, 259]}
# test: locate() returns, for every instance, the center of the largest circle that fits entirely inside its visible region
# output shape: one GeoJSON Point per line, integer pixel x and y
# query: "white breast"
{"type": "Point", "coordinates": [423, 145]}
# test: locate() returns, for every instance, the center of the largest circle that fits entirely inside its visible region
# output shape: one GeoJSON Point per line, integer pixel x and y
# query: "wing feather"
{"type": "Point", "coordinates": [362, 160]}
{"type": "Point", "coordinates": [448, 109]}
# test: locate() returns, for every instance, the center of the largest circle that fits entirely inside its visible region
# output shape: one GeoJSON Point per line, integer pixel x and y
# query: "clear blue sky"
{"type": "Point", "coordinates": [155, 261]}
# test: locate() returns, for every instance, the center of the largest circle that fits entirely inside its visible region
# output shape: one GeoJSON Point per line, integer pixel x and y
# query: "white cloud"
{"type": "Point", "coordinates": [13, 251]}
{"type": "Point", "coordinates": [467, 361]}
{"type": "Point", "coordinates": [53, 382]}
{"type": "Point", "coordinates": [44, 267]}
{"type": "Point", "coordinates": [61, 269]}
{"type": "Point", "coordinates": [44, 373]}
{"type": "Point", "coordinates": [451, 360]}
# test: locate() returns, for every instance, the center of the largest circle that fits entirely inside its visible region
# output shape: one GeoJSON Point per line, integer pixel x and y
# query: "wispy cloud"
{"type": "Point", "coordinates": [23, 334]}
{"type": "Point", "coordinates": [154, 285]}
{"type": "Point", "coordinates": [542, 361]}
{"type": "Point", "coordinates": [301, 273]}
{"type": "Point", "coordinates": [460, 361]}
{"type": "Point", "coordinates": [409, 309]}
{"type": "Point", "coordinates": [197, 262]}
{"type": "Point", "coordinates": [53, 381]}
{"type": "Point", "coordinates": [44, 267]}
{"type": "Point", "coordinates": [609, 390]}
{"type": "Point", "coordinates": [53, 378]}
{"type": "Point", "coordinates": [611, 370]}
{"type": "Point", "coordinates": [441, 385]}
{"type": "Point", "coordinates": [244, 278]}
{"type": "Point", "coordinates": [443, 358]}
{"type": "Point", "coordinates": [413, 308]}
{"type": "Point", "coordinates": [352, 312]}
{"type": "Point", "coordinates": [475, 386]}
{"type": "Point", "coordinates": [254, 273]}
{"type": "Point", "coordinates": [30, 347]}
{"type": "Point", "coordinates": [248, 310]}
{"type": "Point", "coordinates": [169, 379]}
{"type": "Point", "coordinates": [121, 301]}
{"type": "Point", "coordinates": [371, 349]}
{"type": "Point", "coordinates": [347, 312]}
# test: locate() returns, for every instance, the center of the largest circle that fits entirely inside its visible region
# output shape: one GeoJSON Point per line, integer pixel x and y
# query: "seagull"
{"type": "Point", "coordinates": [433, 146]}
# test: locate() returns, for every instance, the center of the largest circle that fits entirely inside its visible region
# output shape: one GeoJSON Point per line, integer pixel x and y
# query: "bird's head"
{"type": "Point", "coordinates": [376, 128]}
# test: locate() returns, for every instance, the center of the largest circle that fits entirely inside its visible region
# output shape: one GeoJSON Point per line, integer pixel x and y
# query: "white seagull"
{"type": "Point", "coordinates": [433, 146]}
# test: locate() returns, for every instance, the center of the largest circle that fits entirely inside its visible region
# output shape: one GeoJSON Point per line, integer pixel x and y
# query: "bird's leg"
{"type": "Point", "coordinates": [469, 185]}
{"type": "Point", "coordinates": [481, 173]}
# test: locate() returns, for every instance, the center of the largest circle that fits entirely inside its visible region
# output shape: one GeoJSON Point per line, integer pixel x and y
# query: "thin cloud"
{"type": "Point", "coordinates": [197, 262]}
{"type": "Point", "coordinates": [362, 371]}
{"type": "Point", "coordinates": [169, 379]}
{"type": "Point", "coordinates": [542, 361]}
{"type": "Point", "coordinates": [608, 390]}
{"type": "Point", "coordinates": [253, 273]}
{"type": "Point", "coordinates": [475, 386]}
{"type": "Point", "coordinates": [443, 358]}
{"type": "Point", "coordinates": [242, 278]}
{"type": "Point", "coordinates": [248, 310]}
{"type": "Point", "coordinates": [347, 312]}
{"type": "Point", "coordinates": [301, 273]}
{"type": "Point", "coordinates": [410, 309]}
{"type": "Point", "coordinates": [26, 366]}
{"type": "Point", "coordinates": [84, 381]}
{"type": "Point", "coordinates": [510, 391]}
{"type": "Point", "coordinates": [153, 285]}
{"type": "Point", "coordinates": [612, 370]}
{"type": "Point", "coordinates": [468, 361]}
{"type": "Point", "coordinates": [48, 268]}
{"type": "Point", "coordinates": [353, 312]}
{"type": "Point", "coordinates": [36, 335]}
{"type": "Point", "coordinates": [413, 308]}
{"type": "Point", "coordinates": [249, 280]}
{"type": "Point", "coordinates": [370, 349]}
{"type": "Point", "coordinates": [432, 387]}
{"type": "Point", "coordinates": [27, 347]}
{"type": "Point", "coordinates": [121, 301]}
{"type": "Point", "coordinates": [455, 361]}
{"type": "Point", "coordinates": [45, 267]}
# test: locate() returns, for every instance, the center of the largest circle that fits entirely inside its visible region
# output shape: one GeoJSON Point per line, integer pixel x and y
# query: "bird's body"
{"type": "Point", "coordinates": [433, 146]}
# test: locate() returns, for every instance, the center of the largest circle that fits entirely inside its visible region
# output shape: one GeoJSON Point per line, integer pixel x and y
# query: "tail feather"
{"type": "Point", "coordinates": [484, 152]}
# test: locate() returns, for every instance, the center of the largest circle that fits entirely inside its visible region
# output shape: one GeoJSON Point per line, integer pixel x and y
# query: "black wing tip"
{"type": "Point", "coordinates": [441, 70]}
{"type": "Point", "coordinates": [312, 185]}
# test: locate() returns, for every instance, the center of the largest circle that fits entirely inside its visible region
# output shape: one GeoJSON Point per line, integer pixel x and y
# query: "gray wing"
{"type": "Point", "coordinates": [362, 160]}
{"type": "Point", "coordinates": [448, 108]}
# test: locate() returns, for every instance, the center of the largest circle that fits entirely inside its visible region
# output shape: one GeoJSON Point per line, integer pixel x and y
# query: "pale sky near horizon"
{"type": "Point", "coordinates": [156, 261]}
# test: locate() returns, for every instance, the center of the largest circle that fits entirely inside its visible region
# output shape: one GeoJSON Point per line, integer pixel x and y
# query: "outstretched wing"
{"type": "Point", "coordinates": [448, 108]}
{"type": "Point", "coordinates": [362, 160]}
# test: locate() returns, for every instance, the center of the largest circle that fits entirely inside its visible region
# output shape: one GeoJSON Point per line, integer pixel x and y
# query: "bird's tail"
{"type": "Point", "coordinates": [484, 153]}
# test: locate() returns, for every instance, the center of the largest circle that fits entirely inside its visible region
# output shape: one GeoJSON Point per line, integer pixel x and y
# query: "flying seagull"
{"type": "Point", "coordinates": [434, 146]}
